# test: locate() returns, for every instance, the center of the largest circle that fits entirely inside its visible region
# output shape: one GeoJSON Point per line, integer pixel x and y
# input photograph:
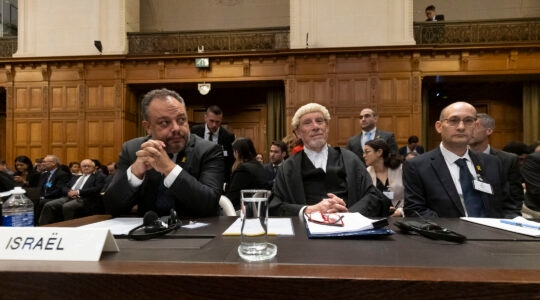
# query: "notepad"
{"type": "Point", "coordinates": [496, 223]}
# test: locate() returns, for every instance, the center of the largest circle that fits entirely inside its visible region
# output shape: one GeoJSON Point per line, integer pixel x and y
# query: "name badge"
{"type": "Point", "coordinates": [389, 195]}
{"type": "Point", "coordinates": [482, 187]}
{"type": "Point", "coordinates": [55, 243]}
{"type": "Point", "coordinates": [225, 153]}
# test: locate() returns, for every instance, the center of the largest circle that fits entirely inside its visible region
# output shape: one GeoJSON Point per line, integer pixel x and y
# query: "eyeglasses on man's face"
{"type": "Point", "coordinates": [455, 121]}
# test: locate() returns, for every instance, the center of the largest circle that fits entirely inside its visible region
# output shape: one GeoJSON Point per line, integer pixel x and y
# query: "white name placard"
{"type": "Point", "coordinates": [55, 243]}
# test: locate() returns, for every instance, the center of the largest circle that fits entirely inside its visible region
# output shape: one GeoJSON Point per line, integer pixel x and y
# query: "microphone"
{"type": "Point", "coordinates": [152, 223]}
{"type": "Point", "coordinates": [154, 227]}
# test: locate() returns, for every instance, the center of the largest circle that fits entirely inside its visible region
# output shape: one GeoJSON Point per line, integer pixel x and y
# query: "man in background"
{"type": "Point", "coordinates": [368, 121]}
{"type": "Point", "coordinates": [278, 152]}
{"type": "Point", "coordinates": [81, 196]}
{"type": "Point", "coordinates": [51, 183]}
{"type": "Point", "coordinates": [510, 164]}
{"type": "Point", "coordinates": [213, 131]}
{"type": "Point", "coordinates": [431, 15]}
{"type": "Point", "coordinates": [412, 146]}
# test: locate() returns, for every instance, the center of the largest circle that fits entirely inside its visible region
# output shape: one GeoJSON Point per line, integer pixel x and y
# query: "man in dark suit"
{"type": "Point", "coordinates": [51, 183]}
{"type": "Point", "coordinates": [431, 15]}
{"type": "Point", "coordinates": [278, 152]}
{"type": "Point", "coordinates": [531, 175]}
{"type": "Point", "coordinates": [82, 196]}
{"type": "Point", "coordinates": [510, 164]}
{"type": "Point", "coordinates": [214, 132]}
{"type": "Point", "coordinates": [368, 120]}
{"type": "Point", "coordinates": [323, 179]}
{"type": "Point", "coordinates": [412, 146]}
{"type": "Point", "coordinates": [190, 182]}
{"type": "Point", "coordinates": [439, 183]}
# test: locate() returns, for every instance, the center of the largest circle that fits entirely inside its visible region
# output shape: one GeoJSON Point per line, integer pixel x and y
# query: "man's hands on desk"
{"type": "Point", "coordinates": [332, 204]}
{"type": "Point", "coordinates": [152, 156]}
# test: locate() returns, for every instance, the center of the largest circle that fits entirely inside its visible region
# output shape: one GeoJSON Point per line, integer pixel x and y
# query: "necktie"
{"type": "Point", "coordinates": [79, 183]}
{"type": "Point", "coordinates": [163, 202]}
{"type": "Point", "coordinates": [368, 136]}
{"type": "Point", "coordinates": [210, 136]}
{"type": "Point", "coordinates": [471, 197]}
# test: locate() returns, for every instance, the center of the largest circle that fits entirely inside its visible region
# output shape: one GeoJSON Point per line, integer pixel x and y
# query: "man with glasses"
{"type": "Point", "coordinates": [81, 196]}
{"type": "Point", "coordinates": [368, 121]}
{"type": "Point", "coordinates": [451, 181]}
{"type": "Point", "coordinates": [52, 181]}
{"type": "Point", "coordinates": [321, 179]}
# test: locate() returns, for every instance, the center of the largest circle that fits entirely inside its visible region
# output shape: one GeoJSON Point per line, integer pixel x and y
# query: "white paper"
{"type": "Point", "coordinates": [496, 223]}
{"type": "Point", "coordinates": [352, 222]}
{"type": "Point", "coordinates": [276, 226]}
{"type": "Point", "coordinates": [117, 226]}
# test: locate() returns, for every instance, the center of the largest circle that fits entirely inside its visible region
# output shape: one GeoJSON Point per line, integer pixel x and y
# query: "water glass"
{"type": "Point", "coordinates": [254, 213]}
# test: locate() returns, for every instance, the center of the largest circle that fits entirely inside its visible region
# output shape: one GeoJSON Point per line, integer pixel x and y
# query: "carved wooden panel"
{"type": "Point", "coordinates": [100, 97]}
{"type": "Point", "coordinates": [28, 99]}
{"type": "Point", "coordinates": [65, 98]}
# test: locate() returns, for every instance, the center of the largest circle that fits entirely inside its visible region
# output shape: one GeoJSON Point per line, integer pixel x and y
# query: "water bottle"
{"type": "Point", "coordinates": [18, 210]}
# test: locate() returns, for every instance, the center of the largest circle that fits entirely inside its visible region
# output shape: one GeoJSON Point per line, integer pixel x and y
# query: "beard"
{"type": "Point", "coordinates": [177, 143]}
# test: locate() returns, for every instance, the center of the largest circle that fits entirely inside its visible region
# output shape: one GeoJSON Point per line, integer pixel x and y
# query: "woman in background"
{"type": "Point", "coordinates": [247, 172]}
{"type": "Point", "coordinates": [25, 175]}
{"type": "Point", "coordinates": [385, 170]}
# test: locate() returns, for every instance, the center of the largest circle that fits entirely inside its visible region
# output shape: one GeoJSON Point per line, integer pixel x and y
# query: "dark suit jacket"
{"type": "Point", "coordinates": [355, 143]}
{"type": "Point", "coordinates": [510, 165]}
{"type": "Point", "coordinates": [248, 175]}
{"type": "Point", "coordinates": [225, 139]}
{"type": "Point", "coordinates": [6, 182]}
{"type": "Point", "coordinates": [288, 195]}
{"type": "Point", "coordinates": [403, 150]}
{"type": "Point", "coordinates": [270, 176]}
{"type": "Point", "coordinates": [58, 180]}
{"type": "Point", "coordinates": [531, 174]}
{"type": "Point", "coordinates": [90, 192]}
{"type": "Point", "coordinates": [430, 190]}
{"type": "Point", "coordinates": [196, 190]}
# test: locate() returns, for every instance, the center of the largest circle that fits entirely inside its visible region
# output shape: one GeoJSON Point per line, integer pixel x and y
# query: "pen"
{"type": "Point", "coordinates": [520, 224]}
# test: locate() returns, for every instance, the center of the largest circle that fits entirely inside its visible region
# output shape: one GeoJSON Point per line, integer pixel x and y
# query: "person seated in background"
{"type": "Point", "coordinates": [278, 152]}
{"type": "Point", "coordinates": [386, 174]}
{"type": "Point", "coordinates": [531, 175]}
{"type": "Point", "coordinates": [450, 181]}
{"type": "Point", "coordinates": [4, 168]}
{"type": "Point", "coordinates": [509, 162]}
{"type": "Point", "coordinates": [323, 179]}
{"type": "Point", "coordinates": [259, 158]}
{"type": "Point", "coordinates": [190, 180]}
{"type": "Point", "coordinates": [111, 167]}
{"type": "Point", "coordinates": [412, 146]}
{"type": "Point", "coordinates": [6, 182]}
{"type": "Point", "coordinates": [81, 196]}
{"type": "Point", "coordinates": [247, 172]}
{"type": "Point", "coordinates": [25, 175]}
{"type": "Point", "coordinates": [431, 14]}
{"type": "Point", "coordinates": [518, 148]}
{"type": "Point", "coordinates": [75, 168]}
{"type": "Point", "coordinates": [51, 183]}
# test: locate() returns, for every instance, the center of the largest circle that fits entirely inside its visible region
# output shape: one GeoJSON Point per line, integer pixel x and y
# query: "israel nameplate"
{"type": "Point", "coordinates": [55, 243]}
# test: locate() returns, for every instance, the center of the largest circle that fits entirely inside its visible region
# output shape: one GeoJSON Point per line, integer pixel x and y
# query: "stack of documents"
{"type": "Point", "coordinates": [276, 226]}
{"type": "Point", "coordinates": [517, 225]}
{"type": "Point", "coordinates": [354, 224]}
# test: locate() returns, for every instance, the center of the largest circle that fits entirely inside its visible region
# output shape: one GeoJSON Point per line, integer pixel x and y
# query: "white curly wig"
{"type": "Point", "coordinates": [309, 108]}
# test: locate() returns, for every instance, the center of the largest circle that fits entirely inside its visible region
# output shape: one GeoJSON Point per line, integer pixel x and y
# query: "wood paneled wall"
{"type": "Point", "coordinates": [87, 106]}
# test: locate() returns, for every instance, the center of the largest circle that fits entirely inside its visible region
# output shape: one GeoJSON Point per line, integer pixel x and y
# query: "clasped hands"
{"type": "Point", "coordinates": [152, 155]}
{"type": "Point", "coordinates": [332, 204]}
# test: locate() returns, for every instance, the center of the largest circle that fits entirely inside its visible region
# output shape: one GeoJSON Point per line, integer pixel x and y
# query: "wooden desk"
{"type": "Point", "coordinates": [398, 266]}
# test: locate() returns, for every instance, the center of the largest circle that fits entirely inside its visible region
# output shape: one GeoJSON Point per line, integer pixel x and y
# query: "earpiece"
{"type": "Point", "coordinates": [154, 227]}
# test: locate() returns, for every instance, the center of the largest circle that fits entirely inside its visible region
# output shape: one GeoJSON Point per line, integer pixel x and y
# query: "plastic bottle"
{"type": "Point", "coordinates": [18, 210]}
